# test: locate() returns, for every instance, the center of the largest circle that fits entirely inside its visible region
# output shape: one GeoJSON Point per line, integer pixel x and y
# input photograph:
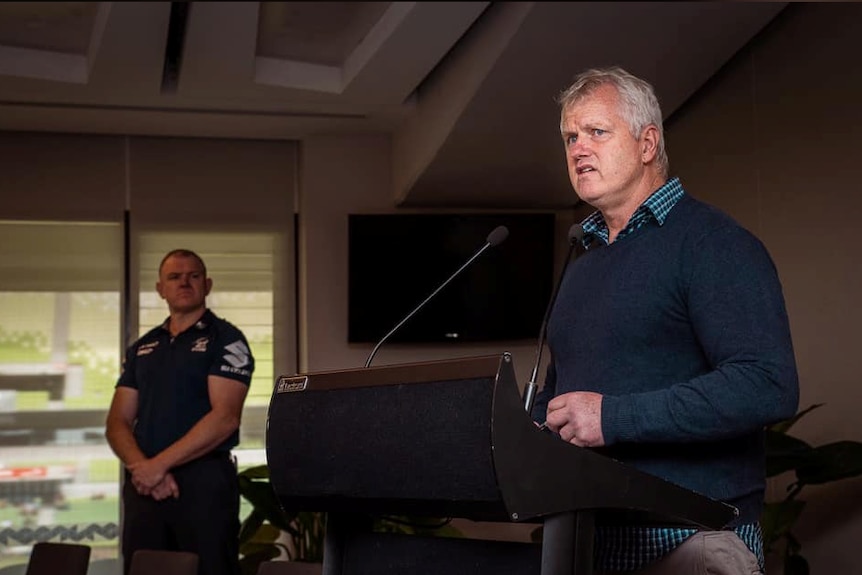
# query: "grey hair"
{"type": "Point", "coordinates": [639, 105]}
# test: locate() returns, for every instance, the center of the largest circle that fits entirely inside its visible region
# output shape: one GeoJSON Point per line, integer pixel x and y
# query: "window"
{"type": "Point", "coordinates": [59, 349]}
{"type": "Point", "coordinates": [66, 315]}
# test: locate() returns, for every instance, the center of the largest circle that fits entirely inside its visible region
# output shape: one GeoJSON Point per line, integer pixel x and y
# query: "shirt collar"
{"type": "Point", "coordinates": [202, 323]}
{"type": "Point", "coordinates": [656, 207]}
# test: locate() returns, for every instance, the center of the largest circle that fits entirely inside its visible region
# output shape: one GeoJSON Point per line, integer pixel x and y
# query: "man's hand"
{"type": "Point", "coordinates": [577, 417]}
{"type": "Point", "coordinates": [167, 487]}
{"type": "Point", "coordinates": [146, 474]}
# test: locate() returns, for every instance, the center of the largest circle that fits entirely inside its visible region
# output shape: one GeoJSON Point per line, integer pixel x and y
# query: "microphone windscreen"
{"type": "Point", "coordinates": [576, 233]}
{"type": "Point", "coordinates": [497, 236]}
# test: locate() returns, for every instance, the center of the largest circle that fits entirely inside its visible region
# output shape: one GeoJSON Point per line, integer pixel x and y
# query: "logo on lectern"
{"type": "Point", "coordinates": [288, 384]}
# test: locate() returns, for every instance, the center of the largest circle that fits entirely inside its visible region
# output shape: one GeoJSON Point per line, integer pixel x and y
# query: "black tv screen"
{"type": "Point", "coordinates": [397, 260]}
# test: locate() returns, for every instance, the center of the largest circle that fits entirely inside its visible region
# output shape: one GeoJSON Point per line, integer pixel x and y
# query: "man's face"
{"type": "Point", "coordinates": [604, 159]}
{"type": "Point", "coordinates": [183, 284]}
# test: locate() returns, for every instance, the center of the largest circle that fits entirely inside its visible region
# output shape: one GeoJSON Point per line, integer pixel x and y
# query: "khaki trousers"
{"type": "Point", "coordinates": [704, 553]}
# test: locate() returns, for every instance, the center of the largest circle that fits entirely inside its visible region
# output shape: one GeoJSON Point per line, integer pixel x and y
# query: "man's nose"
{"type": "Point", "coordinates": [580, 149]}
{"type": "Point", "coordinates": [576, 150]}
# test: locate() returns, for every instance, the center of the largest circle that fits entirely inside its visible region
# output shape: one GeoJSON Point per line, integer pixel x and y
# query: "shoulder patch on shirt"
{"type": "Point", "coordinates": [238, 357]}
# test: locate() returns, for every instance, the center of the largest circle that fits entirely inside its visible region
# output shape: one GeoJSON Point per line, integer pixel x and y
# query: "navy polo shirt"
{"type": "Point", "coordinates": [171, 375]}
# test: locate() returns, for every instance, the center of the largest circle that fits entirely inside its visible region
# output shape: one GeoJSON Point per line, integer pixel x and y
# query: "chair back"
{"type": "Point", "coordinates": [161, 562]}
{"type": "Point", "coordinates": [50, 558]}
{"type": "Point", "coordinates": [289, 568]}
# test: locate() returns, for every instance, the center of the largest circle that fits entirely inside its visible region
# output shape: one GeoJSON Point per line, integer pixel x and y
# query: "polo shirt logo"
{"type": "Point", "coordinates": [238, 354]}
{"type": "Point", "coordinates": [147, 348]}
{"type": "Point", "coordinates": [200, 344]}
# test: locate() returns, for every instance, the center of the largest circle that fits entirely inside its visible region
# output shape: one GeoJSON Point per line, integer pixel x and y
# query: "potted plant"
{"type": "Point", "coordinates": [270, 531]}
{"type": "Point", "coordinates": [811, 466]}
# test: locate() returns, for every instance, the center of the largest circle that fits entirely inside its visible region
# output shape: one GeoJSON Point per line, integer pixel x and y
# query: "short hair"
{"type": "Point", "coordinates": [183, 253]}
{"type": "Point", "coordinates": [639, 105]}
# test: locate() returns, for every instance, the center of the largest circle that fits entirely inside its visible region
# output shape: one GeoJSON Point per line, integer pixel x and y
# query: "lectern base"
{"type": "Point", "coordinates": [394, 554]}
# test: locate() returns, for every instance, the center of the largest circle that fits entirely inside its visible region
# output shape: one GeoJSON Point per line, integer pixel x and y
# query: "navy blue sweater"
{"type": "Point", "coordinates": [683, 329]}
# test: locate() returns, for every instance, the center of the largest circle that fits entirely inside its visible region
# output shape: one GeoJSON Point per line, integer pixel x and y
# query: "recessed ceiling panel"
{"type": "Point", "coordinates": [323, 33]}
{"type": "Point", "coordinates": [50, 26]}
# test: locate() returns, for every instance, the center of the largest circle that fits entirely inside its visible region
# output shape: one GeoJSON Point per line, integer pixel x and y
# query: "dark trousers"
{"type": "Point", "coordinates": [203, 520]}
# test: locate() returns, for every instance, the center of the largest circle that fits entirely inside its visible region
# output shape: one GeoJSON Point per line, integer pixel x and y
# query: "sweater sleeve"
{"type": "Point", "coordinates": [737, 312]}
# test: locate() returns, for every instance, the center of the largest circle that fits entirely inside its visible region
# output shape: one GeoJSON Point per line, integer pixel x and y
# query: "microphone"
{"type": "Point", "coordinates": [495, 238]}
{"type": "Point", "coordinates": [576, 234]}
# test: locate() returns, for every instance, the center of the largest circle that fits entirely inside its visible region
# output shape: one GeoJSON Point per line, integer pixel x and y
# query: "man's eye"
{"type": "Point", "coordinates": [571, 139]}
{"type": "Point", "coordinates": [599, 132]}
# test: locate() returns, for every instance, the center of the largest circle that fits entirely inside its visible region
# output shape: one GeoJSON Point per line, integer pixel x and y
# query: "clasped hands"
{"type": "Point", "coordinates": [577, 417]}
{"type": "Point", "coordinates": [149, 478]}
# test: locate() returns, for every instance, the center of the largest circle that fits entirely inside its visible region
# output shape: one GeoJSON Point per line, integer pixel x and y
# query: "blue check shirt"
{"type": "Point", "coordinates": [628, 548]}
{"type": "Point", "coordinates": [655, 208]}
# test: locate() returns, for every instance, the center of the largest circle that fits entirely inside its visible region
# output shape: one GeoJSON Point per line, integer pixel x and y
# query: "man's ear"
{"type": "Point", "coordinates": [159, 289]}
{"type": "Point", "coordinates": [209, 286]}
{"type": "Point", "coordinates": [649, 143]}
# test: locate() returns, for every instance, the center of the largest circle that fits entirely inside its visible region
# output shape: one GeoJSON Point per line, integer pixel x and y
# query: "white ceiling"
{"type": "Point", "coordinates": [466, 89]}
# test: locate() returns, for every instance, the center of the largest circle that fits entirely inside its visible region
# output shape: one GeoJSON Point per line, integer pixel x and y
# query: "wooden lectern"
{"type": "Point", "coordinates": [451, 439]}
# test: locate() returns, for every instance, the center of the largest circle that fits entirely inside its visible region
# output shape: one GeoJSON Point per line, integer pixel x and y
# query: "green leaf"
{"type": "Point", "coordinates": [256, 472]}
{"type": "Point", "coordinates": [831, 462]}
{"type": "Point", "coordinates": [793, 545]}
{"type": "Point", "coordinates": [784, 426]}
{"type": "Point", "coordinates": [259, 549]}
{"type": "Point", "coordinates": [250, 525]}
{"type": "Point", "coordinates": [777, 519]}
{"type": "Point", "coordinates": [796, 565]}
{"type": "Point", "coordinates": [264, 501]}
{"type": "Point", "coordinates": [785, 452]}
{"type": "Point", "coordinates": [263, 538]}
{"type": "Point", "coordinates": [267, 533]}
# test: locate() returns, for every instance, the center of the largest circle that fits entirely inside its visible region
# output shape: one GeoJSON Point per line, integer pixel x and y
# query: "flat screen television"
{"type": "Point", "coordinates": [397, 260]}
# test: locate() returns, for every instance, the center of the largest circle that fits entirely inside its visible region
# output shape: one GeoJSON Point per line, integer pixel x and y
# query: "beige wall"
{"type": "Point", "coordinates": [339, 176]}
{"type": "Point", "coordinates": [775, 141]}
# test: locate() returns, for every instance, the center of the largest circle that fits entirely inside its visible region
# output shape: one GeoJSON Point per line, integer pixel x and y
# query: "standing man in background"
{"type": "Point", "coordinates": [173, 420]}
{"type": "Point", "coordinates": [670, 342]}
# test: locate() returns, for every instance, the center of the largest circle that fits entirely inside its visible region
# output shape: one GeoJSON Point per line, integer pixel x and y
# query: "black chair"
{"type": "Point", "coordinates": [49, 558]}
{"type": "Point", "coordinates": [289, 568]}
{"type": "Point", "coordinates": [161, 562]}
